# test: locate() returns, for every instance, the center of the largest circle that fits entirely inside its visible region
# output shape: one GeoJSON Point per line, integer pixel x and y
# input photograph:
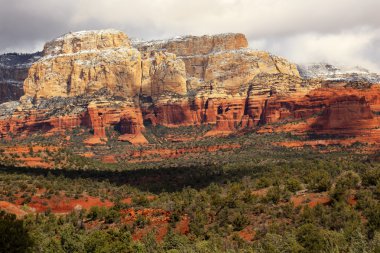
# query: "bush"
{"type": "Point", "coordinates": [14, 236]}
{"type": "Point", "coordinates": [346, 181]}
{"type": "Point", "coordinates": [141, 221]}
{"type": "Point", "coordinates": [293, 185]}
{"type": "Point", "coordinates": [311, 239]}
{"type": "Point", "coordinates": [319, 181]}
{"type": "Point", "coordinates": [240, 222]}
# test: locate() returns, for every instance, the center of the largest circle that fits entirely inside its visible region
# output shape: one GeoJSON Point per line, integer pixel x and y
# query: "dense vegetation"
{"type": "Point", "coordinates": [236, 201]}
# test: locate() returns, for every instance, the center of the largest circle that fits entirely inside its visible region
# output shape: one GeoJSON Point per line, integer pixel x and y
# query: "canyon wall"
{"type": "Point", "coordinates": [83, 63]}
{"type": "Point", "coordinates": [101, 80]}
{"type": "Point", "coordinates": [223, 61]}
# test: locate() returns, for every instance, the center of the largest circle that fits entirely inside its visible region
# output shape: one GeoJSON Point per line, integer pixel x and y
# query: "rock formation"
{"type": "Point", "coordinates": [80, 42]}
{"type": "Point", "coordinates": [122, 116]}
{"type": "Point", "coordinates": [83, 63]}
{"type": "Point", "coordinates": [338, 73]}
{"type": "Point", "coordinates": [222, 60]}
{"type": "Point", "coordinates": [162, 73]}
{"type": "Point", "coordinates": [100, 80]}
{"type": "Point", "coordinates": [327, 112]}
{"type": "Point", "coordinates": [193, 45]}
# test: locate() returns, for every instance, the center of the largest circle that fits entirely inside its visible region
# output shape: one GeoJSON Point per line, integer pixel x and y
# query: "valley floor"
{"type": "Point", "coordinates": [182, 193]}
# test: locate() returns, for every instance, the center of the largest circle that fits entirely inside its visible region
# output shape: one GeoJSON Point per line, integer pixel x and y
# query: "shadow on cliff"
{"type": "Point", "coordinates": [153, 180]}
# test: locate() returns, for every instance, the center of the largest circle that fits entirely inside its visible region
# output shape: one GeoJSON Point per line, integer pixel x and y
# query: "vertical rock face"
{"type": "Point", "coordinates": [230, 70]}
{"type": "Point", "coordinates": [347, 113]}
{"type": "Point", "coordinates": [119, 70]}
{"type": "Point", "coordinates": [99, 80]}
{"type": "Point", "coordinates": [216, 66]}
{"type": "Point", "coordinates": [122, 116]}
{"type": "Point", "coordinates": [221, 60]}
{"type": "Point", "coordinates": [326, 111]}
{"type": "Point", "coordinates": [84, 62]}
{"type": "Point", "coordinates": [13, 71]}
{"type": "Point", "coordinates": [162, 73]}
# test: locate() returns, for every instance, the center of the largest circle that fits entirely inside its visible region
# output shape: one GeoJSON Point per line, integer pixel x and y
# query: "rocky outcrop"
{"type": "Point", "coordinates": [353, 113]}
{"type": "Point", "coordinates": [22, 123]}
{"type": "Point", "coordinates": [122, 116]}
{"type": "Point", "coordinates": [83, 63]}
{"type": "Point", "coordinates": [330, 72]}
{"type": "Point", "coordinates": [101, 81]}
{"type": "Point", "coordinates": [222, 61]}
{"type": "Point", "coordinates": [162, 73]}
{"type": "Point", "coordinates": [73, 75]}
{"type": "Point", "coordinates": [77, 42]}
{"type": "Point", "coordinates": [346, 113]}
{"type": "Point", "coordinates": [327, 112]}
{"type": "Point", "coordinates": [196, 45]}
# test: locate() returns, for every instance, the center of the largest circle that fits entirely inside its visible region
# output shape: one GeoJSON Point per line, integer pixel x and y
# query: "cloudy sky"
{"type": "Point", "coordinates": [345, 32]}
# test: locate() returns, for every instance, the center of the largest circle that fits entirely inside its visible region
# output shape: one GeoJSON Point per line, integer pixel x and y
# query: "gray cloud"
{"type": "Point", "coordinates": [340, 31]}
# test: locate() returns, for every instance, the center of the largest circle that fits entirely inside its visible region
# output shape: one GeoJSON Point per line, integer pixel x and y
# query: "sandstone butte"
{"type": "Point", "coordinates": [100, 79]}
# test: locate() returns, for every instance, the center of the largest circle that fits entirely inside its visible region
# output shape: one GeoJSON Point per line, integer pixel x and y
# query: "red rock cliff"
{"type": "Point", "coordinates": [190, 80]}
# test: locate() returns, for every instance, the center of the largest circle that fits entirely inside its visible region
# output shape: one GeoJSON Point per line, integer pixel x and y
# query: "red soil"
{"type": "Point", "coordinates": [88, 155]}
{"type": "Point", "coordinates": [109, 159]}
{"type": "Point", "coordinates": [247, 234]}
{"type": "Point", "coordinates": [127, 201]}
{"type": "Point", "coordinates": [344, 142]}
{"type": "Point", "coordinates": [29, 159]}
{"type": "Point", "coordinates": [351, 200]}
{"type": "Point", "coordinates": [182, 227]}
{"type": "Point", "coordinates": [135, 139]}
{"type": "Point", "coordinates": [26, 149]}
{"type": "Point", "coordinates": [12, 208]}
{"type": "Point", "coordinates": [158, 221]}
{"type": "Point", "coordinates": [174, 153]}
{"type": "Point", "coordinates": [35, 162]}
{"type": "Point", "coordinates": [63, 204]}
{"type": "Point", "coordinates": [95, 140]}
{"type": "Point", "coordinates": [310, 199]}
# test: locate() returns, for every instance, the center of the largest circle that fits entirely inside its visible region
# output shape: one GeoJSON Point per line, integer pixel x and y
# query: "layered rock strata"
{"type": "Point", "coordinates": [100, 80]}
{"type": "Point", "coordinates": [83, 63]}
{"type": "Point", "coordinates": [220, 61]}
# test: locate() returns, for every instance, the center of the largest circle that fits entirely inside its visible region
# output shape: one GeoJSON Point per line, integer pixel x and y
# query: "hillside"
{"type": "Point", "coordinates": [191, 144]}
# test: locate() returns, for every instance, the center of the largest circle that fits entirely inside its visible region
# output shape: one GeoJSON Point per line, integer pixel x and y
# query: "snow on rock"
{"type": "Point", "coordinates": [195, 45]}
{"type": "Point", "coordinates": [86, 41]}
{"type": "Point", "coordinates": [337, 73]}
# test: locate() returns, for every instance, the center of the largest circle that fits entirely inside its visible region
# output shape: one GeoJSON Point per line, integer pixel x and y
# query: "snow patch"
{"type": "Point", "coordinates": [104, 53]}
{"type": "Point", "coordinates": [337, 73]}
{"type": "Point", "coordinates": [154, 43]}
{"type": "Point", "coordinates": [85, 33]}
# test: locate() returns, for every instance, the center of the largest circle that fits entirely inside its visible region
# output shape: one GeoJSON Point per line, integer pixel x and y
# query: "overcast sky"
{"type": "Point", "coordinates": [343, 32]}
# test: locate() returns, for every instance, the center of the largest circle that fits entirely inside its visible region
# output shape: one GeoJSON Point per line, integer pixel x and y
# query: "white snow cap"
{"type": "Point", "coordinates": [86, 33]}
